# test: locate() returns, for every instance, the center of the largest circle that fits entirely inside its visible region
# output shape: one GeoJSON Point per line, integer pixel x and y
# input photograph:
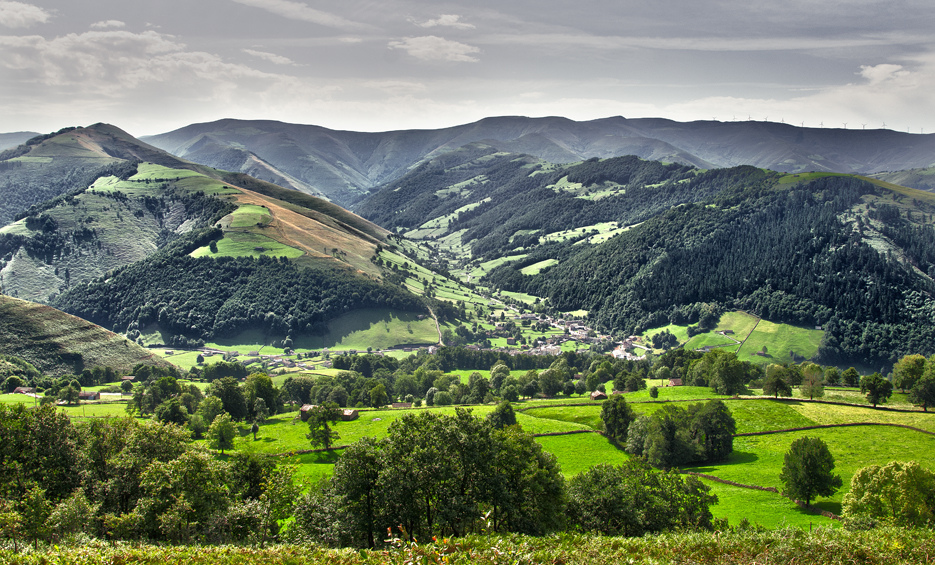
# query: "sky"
{"type": "Point", "coordinates": [153, 66]}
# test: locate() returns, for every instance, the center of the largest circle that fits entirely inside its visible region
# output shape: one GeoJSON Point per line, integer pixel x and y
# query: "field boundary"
{"type": "Point", "coordinates": [811, 508]}
{"type": "Point", "coordinates": [824, 426]}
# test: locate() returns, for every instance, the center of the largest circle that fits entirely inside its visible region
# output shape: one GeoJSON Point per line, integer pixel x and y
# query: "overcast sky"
{"type": "Point", "coordinates": [155, 65]}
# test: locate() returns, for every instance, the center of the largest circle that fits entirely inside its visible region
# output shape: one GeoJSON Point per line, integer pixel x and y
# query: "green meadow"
{"type": "Point", "coordinates": [248, 244]}
{"type": "Point", "coordinates": [756, 460]}
{"type": "Point", "coordinates": [779, 340]}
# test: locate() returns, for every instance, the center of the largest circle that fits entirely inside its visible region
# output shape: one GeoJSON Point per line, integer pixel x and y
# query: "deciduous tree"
{"type": "Point", "coordinates": [807, 470]}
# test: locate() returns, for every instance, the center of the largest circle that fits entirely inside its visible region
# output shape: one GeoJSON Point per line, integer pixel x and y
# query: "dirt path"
{"type": "Point", "coordinates": [758, 320]}
{"type": "Point", "coordinates": [438, 328]}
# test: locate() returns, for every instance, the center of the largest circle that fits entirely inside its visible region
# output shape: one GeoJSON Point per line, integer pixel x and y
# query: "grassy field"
{"type": "Point", "coordinates": [758, 460]}
{"type": "Point", "coordinates": [579, 452]}
{"type": "Point", "coordinates": [536, 267]}
{"type": "Point", "coordinates": [376, 328]}
{"type": "Point", "coordinates": [780, 340]}
{"type": "Point", "coordinates": [248, 244]}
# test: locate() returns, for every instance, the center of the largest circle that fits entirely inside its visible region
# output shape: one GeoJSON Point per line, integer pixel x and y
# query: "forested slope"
{"type": "Point", "coordinates": [834, 251]}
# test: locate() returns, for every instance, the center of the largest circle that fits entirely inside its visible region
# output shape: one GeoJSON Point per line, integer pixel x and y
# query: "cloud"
{"type": "Point", "coordinates": [271, 57]}
{"type": "Point", "coordinates": [433, 48]}
{"type": "Point", "coordinates": [106, 24]}
{"type": "Point", "coordinates": [301, 12]}
{"type": "Point", "coordinates": [18, 14]}
{"type": "Point", "coordinates": [446, 20]}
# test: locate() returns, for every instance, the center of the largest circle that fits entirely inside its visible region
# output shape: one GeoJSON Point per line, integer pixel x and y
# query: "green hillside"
{"type": "Point", "coordinates": [153, 244]}
{"type": "Point", "coordinates": [57, 343]}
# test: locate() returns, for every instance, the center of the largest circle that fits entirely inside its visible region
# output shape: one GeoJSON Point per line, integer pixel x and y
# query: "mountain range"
{"type": "Point", "coordinates": [344, 166]}
{"type": "Point", "coordinates": [165, 250]}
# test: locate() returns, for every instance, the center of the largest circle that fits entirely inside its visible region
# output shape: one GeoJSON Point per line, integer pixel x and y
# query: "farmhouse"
{"type": "Point", "coordinates": [349, 414]}
{"type": "Point", "coordinates": [675, 382]}
{"type": "Point", "coordinates": [24, 390]}
{"type": "Point", "coordinates": [89, 395]}
{"type": "Point", "coordinates": [598, 395]}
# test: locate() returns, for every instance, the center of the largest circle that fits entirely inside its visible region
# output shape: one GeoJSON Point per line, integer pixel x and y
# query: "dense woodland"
{"type": "Point", "coordinates": [783, 253]}
{"type": "Point", "coordinates": [198, 299]}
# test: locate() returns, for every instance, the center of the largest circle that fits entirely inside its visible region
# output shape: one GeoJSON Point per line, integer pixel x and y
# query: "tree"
{"type": "Point", "coordinates": [632, 500]}
{"type": "Point", "coordinates": [550, 381]}
{"type": "Point", "coordinates": [69, 394]}
{"type": "Point", "coordinates": [320, 419]}
{"type": "Point", "coordinates": [355, 478]}
{"type": "Point", "coordinates": [221, 432]}
{"type": "Point", "coordinates": [812, 381]}
{"type": "Point", "coordinates": [35, 510]}
{"type": "Point", "coordinates": [12, 383]}
{"type": "Point", "coordinates": [775, 382]}
{"type": "Point", "coordinates": [209, 408]}
{"type": "Point", "coordinates": [654, 392]}
{"type": "Point", "coordinates": [907, 371]}
{"type": "Point", "coordinates": [171, 411]}
{"type": "Point", "coordinates": [923, 392]}
{"type": "Point", "coordinates": [850, 377]}
{"type": "Point", "coordinates": [712, 428]}
{"type": "Point", "coordinates": [877, 388]}
{"type": "Point", "coordinates": [832, 376]}
{"type": "Point", "coordinates": [902, 494]}
{"type": "Point", "coordinates": [502, 416]}
{"type": "Point", "coordinates": [617, 415]}
{"type": "Point", "coordinates": [260, 386]}
{"type": "Point", "coordinates": [232, 397]}
{"type": "Point", "coordinates": [807, 470]}
{"type": "Point", "coordinates": [726, 373]}
{"type": "Point", "coordinates": [260, 410]}
{"type": "Point", "coordinates": [378, 396]}
{"type": "Point", "coordinates": [254, 429]}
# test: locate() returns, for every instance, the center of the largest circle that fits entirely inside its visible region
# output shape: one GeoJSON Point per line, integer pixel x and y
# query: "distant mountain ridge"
{"type": "Point", "coordinates": [15, 138]}
{"type": "Point", "coordinates": [344, 165]}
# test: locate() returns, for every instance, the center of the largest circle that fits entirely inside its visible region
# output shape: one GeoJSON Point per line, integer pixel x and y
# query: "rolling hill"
{"type": "Point", "coordinates": [57, 343]}
{"type": "Point", "coordinates": [343, 166]}
{"type": "Point", "coordinates": [640, 244]}
{"type": "Point", "coordinates": [145, 241]}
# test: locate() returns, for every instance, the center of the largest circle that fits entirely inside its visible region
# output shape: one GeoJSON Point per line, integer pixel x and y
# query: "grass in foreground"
{"type": "Point", "coordinates": [778, 547]}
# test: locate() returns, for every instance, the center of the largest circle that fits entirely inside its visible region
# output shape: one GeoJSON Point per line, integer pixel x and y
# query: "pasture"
{"type": "Point", "coordinates": [756, 460]}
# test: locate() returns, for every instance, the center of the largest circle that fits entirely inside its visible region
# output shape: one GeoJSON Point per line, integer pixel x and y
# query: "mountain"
{"type": "Point", "coordinates": [641, 244]}
{"type": "Point", "coordinates": [8, 140]}
{"type": "Point", "coordinates": [922, 179]}
{"type": "Point", "coordinates": [57, 343]}
{"type": "Point", "coordinates": [343, 166]}
{"type": "Point", "coordinates": [144, 242]}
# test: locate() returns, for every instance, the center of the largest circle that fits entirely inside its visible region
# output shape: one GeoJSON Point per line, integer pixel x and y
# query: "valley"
{"type": "Point", "coordinates": [469, 282]}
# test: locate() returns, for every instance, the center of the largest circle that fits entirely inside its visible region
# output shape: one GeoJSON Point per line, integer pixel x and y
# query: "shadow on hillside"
{"type": "Point", "coordinates": [736, 458]}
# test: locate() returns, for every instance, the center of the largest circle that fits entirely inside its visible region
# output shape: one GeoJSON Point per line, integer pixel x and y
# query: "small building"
{"type": "Point", "coordinates": [24, 390]}
{"type": "Point", "coordinates": [129, 378]}
{"type": "Point", "coordinates": [401, 405]}
{"type": "Point", "coordinates": [675, 382]}
{"type": "Point", "coordinates": [511, 341]}
{"type": "Point", "coordinates": [89, 395]}
{"type": "Point", "coordinates": [598, 395]}
{"type": "Point", "coordinates": [349, 414]}
{"type": "Point", "coordinates": [305, 411]}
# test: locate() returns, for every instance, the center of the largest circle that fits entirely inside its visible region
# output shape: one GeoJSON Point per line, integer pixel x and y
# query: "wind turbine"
{"type": "Point", "coordinates": [883, 126]}
{"type": "Point", "coordinates": [845, 125]}
{"type": "Point", "coordinates": [863, 126]}
{"type": "Point", "coordinates": [803, 123]}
